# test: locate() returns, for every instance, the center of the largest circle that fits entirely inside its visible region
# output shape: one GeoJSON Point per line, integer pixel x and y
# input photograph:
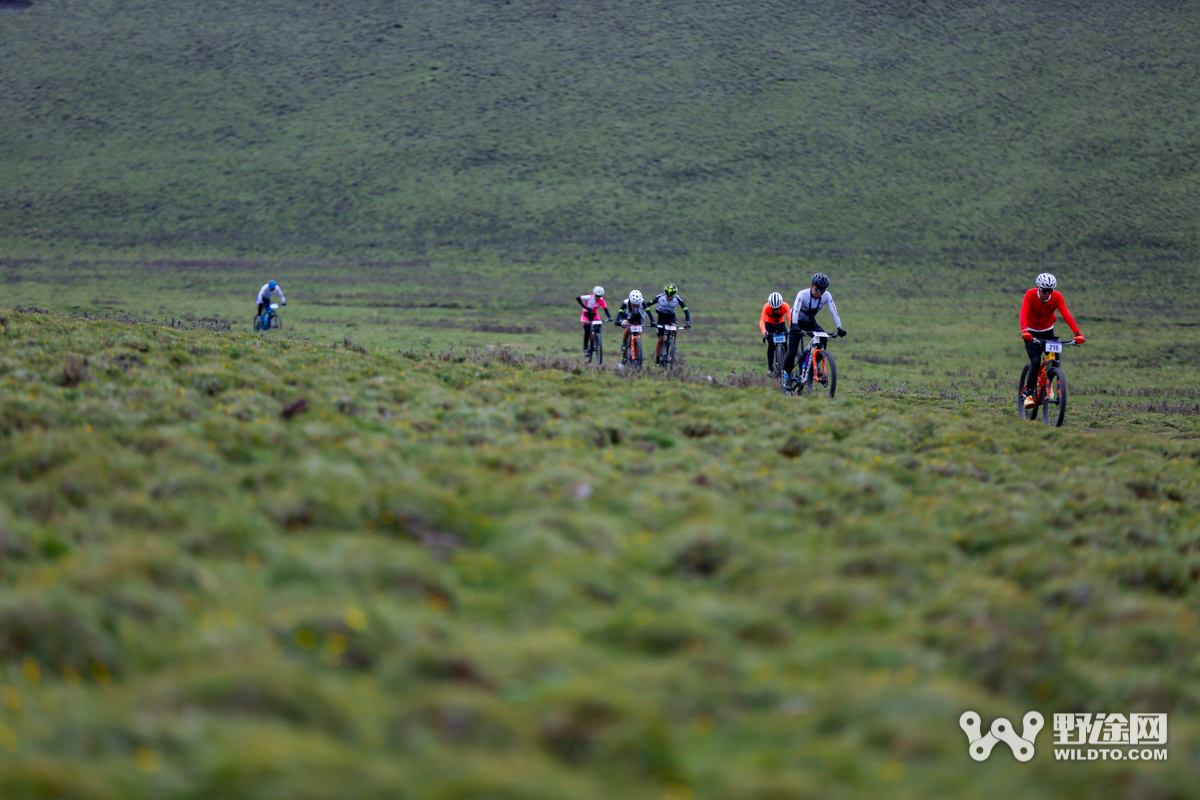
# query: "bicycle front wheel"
{"type": "Point", "coordinates": [824, 373]}
{"type": "Point", "coordinates": [277, 321]}
{"type": "Point", "coordinates": [635, 351]}
{"type": "Point", "coordinates": [668, 362]}
{"type": "Point", "coordinates": [257, 323]}
{"type": "Point", "coordinates": [1054, 407]}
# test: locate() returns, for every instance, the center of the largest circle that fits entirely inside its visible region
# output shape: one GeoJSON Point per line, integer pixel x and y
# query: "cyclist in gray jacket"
{"type": "Point", "coordinates": [804, 316]}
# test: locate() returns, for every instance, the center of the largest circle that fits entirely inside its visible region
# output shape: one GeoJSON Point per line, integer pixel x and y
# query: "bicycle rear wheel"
{"type": "Point", "coordinates": [1054, 408]}
{"type": "Point", "coordinates": [825, 372]}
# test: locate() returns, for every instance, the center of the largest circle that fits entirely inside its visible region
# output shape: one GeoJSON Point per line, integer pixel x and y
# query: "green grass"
{"type": "Point", "coordinates": [475, 569]}
{"type": "Point", "coordinates": [993, 129]}
{"type": "Point", "coordinates": [478, 575]}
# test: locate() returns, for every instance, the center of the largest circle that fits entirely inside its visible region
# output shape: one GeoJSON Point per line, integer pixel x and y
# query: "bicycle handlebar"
{"type": "Point", "coordinates": [1066, 343]}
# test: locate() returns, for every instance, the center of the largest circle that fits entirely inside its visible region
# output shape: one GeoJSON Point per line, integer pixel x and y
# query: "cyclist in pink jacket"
{"type": "Point", "coordinates": [592, 305]}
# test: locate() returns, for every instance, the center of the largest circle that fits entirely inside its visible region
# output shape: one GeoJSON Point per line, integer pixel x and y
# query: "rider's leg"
{"type": "Point", "coordinates": [789, 361]}
{"type": "Point", "coordinates": [587, 335]}
{"type": "Point", "coordinates": [1034, 351]}
{"type": "Point", "coordinates": [658, 347]}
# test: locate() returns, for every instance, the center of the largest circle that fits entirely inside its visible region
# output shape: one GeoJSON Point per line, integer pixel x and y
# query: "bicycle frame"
{"type": "Point", "coordinates": [819, 340]}
{"type": "Point", "coordinates": [595, 339]}
{"type": "Point", "coordinates": [1050, 359]}
{"type": "Point", "coordinates": [670, 330]}
{"type": "Point", "coordinates": [1049, 385]}
{"type": "Point", "coordinates": [635, 343]}
{"type": "Point", "coordinates": [779, 345]}
{"type": "Point", "coordinates": [269, 318]}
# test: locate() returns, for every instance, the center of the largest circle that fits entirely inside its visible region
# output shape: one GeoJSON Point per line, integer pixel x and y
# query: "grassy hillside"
{"type": "Point", "coordinates": [471, 568]}
{"type": "Point", "coordinates": [991, 128]}
{"type": "Point", "coordinates": [480, 576]}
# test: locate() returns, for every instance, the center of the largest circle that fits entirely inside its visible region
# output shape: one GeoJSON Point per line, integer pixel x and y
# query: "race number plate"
{"type": "Point", "coordinates": [635, 328]}
{"type": "Point", "coordinates": [780, 338]}
{"type": "Point", "coordinates": [597, 322]}
{"type": "Point", "coordinates": [671, 327]}
{"type": "Point", "coordinates": [274, 305]}
{"type": "Point", "coordinates": [1053, 347]}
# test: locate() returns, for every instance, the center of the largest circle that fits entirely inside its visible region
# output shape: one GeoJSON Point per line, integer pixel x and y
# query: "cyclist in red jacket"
{"type": "Point", "coordinates": [1037, 322]}
{"type": "Point", "coordinates": [773, 319]}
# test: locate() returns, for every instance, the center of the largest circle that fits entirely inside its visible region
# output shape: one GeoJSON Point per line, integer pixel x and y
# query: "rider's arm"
{"type": "Point", "coordinates": [687, 315]}
{"type": "Point", "coordinates": [796, 306]}
{"type": "Point", "coordinates": [282, 299]}
{"type": "Point", "coordinates": [787, 313]}
{"type": "Point", "coordinates": [579, 300]}
{"type": "Point", "coordinates": [646, 313]}
{"type": "Point", "coordinates": [604, 305]}
{"type": "Point", "coordinates": [762, 319]}
{"type": "Point", "coordinates": [1025, 309]}
{"type": "Point", "coordinates": [1066, 315]}
{"type": "Point", "coordinates": [833, 310]}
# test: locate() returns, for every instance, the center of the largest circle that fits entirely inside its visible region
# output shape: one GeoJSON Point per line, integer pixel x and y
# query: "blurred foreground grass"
{"type": "Point", "coordinates": [481, 575]}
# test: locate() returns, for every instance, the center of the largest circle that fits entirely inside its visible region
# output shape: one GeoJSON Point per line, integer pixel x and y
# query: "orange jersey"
{"type": "Point", "coordinates": [773, 316]}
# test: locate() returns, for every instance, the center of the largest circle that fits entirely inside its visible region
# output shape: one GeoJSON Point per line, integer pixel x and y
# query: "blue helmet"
{"type": "Point", "coordinates": [271, 284]}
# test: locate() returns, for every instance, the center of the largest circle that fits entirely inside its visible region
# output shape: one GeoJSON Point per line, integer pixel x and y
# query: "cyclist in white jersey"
{"type": "Point", "coordinates": [665, 304]}
{"type": "Point", "coordinates": [264, 296]}
{"type": "Point", "coordinates": [804, 316]}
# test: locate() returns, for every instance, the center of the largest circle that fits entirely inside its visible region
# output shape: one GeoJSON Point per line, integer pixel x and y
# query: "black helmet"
{"type": "Point", "coordinates": [820, 280]}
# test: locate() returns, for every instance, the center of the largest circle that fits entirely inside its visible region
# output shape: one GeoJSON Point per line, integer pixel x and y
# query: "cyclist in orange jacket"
{"type": "Point", "coordinates": [1037, 322]}
{"type": "Point", "coordinates": [773, 320]}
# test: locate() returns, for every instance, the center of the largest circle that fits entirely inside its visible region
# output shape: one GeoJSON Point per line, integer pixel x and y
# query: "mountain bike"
{"type": "Point", "coordinates": [633, 355]}
{"type": "Point", "coordinates": [1051, 391]}
{"type": "Point", "coordinates": [268, 319]}
{"type": "Point", "coordinates": [667, 359]}
{"type": "Point", "coordinates": [817, 368]}
{"type": "Point", "coordinates": [595, 345]}
{"type": "Point", "coordinates": [780, 341]}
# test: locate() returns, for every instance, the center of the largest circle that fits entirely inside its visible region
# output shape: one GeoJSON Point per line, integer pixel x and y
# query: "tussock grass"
{"type": "Point", "coordinates": [476, 573]}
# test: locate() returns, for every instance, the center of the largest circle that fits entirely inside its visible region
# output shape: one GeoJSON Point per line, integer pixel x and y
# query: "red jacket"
{"type": "Point", "coordinates": [772, 316]}
{"type": "Point", "coordinates": [1039, 316]}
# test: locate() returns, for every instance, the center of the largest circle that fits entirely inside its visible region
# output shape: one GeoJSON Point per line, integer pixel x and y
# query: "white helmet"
{"type": "Point", "coordinates": [775, 300]}
{"type": "Point", "coordinates": [635, 298]}
{"type": "Point", "coordinates": [598, 291]}
{"type": "Point", "coordinates": [1046, 281]}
